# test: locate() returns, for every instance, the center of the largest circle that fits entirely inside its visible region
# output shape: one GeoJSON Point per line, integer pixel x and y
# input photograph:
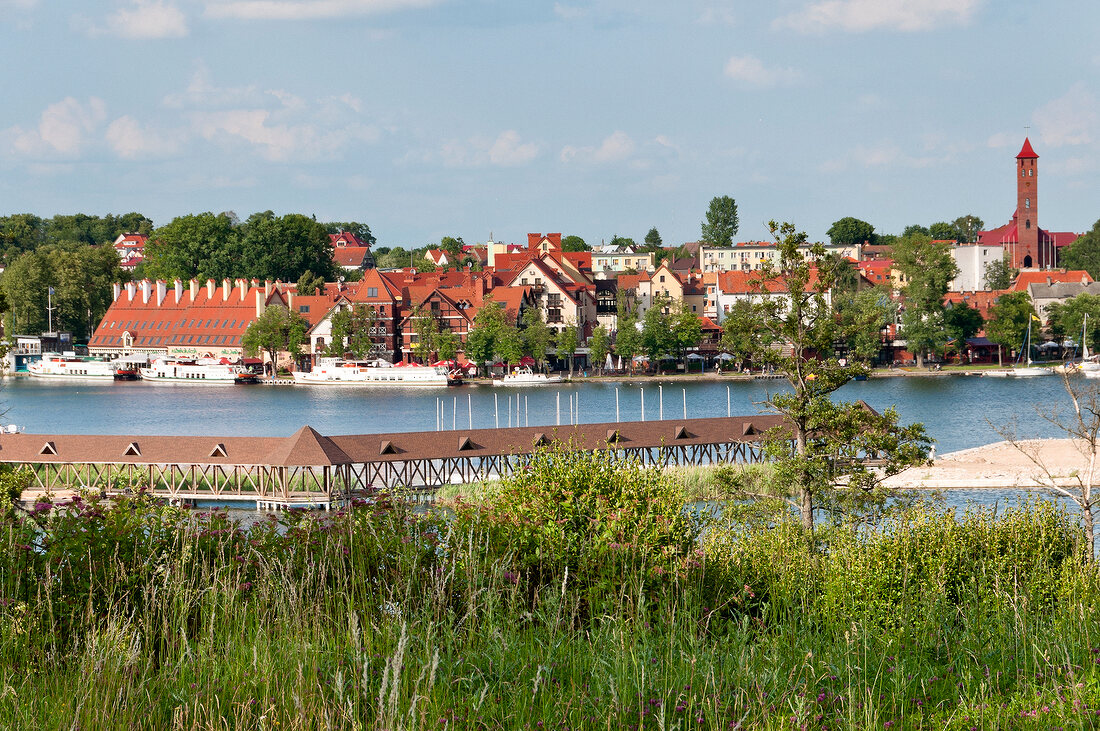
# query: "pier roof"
{"type": "Point", "coordinates": [307, 447]}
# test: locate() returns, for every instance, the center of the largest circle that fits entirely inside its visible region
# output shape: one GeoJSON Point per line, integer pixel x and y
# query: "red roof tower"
{"type": "Point", "coordinates": [1026, 253]}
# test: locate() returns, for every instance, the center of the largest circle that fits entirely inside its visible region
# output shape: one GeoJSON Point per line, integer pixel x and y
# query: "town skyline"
{"type": "Point", "coordinates": [425, 119]}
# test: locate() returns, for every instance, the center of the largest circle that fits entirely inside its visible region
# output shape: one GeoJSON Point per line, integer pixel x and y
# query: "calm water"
{"type": "Point", "coordinates": [958, 411]}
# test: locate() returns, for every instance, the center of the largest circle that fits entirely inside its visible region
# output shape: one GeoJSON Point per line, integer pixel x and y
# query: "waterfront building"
{"type": "Point", "coordinates": [183, 321]}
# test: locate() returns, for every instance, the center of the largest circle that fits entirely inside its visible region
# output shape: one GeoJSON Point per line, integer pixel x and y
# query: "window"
{"type": "Point", "coordinates": [303, 308]}
{"type": "Point", "coordinates": [372, 291]}
{"type": "Point", "coordinates": [662, 278]}
{"type": "Point", "coordinates": [1027, 203]}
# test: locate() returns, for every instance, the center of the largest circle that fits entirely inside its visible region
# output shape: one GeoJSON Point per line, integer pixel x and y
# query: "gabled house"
{"type": "Point", "coordinates": [350, 252]}
{"type": "Point", "coordinates": [561, 299]}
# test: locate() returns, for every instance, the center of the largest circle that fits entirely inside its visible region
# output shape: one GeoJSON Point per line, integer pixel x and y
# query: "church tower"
{"type": "Point", "coordinates": [1026, 254]}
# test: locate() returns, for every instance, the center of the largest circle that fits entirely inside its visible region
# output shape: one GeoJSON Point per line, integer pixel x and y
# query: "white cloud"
{"type": "Point", "coordinates": [307, 9]}
{"type": "Point", "coordinates": [751, 70]}
{"type": "Point", "coordinates": [859, 16]}
{"type": "Point", "coordinates": [64, 128]}
{"type": "Point", "coordinates": [616, 147]}
{"type": "Point", "coordinates": [277, 140]}
{"type": "Point", "coordinates": [131, 140]}
{"type": "Point", "coordinates": [507, 150]}
{"type": "Point", "coordinates": [146, 19]}
{"type": "Point", "coordinates": [1071, 119]}
{"type": "Point", "coordinates": [202, 93]}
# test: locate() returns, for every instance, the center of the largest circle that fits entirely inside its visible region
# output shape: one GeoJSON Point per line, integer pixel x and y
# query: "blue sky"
{"type": "Point", "coordinates": [426, 118]}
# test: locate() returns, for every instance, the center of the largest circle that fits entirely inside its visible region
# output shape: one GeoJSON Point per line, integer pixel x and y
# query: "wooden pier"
{"type": "Point", "coordinates": [308, 469]}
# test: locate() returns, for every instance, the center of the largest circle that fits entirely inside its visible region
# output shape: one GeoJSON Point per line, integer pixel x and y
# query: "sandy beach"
{"type": "Point", "coordinates": [1031, 463]}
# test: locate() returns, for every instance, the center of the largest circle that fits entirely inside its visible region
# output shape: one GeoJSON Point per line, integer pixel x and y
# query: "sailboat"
{"type": "Point", "coordinates": [1089, 365]}
{"type": "Point", "coordinates": [1029, 370]}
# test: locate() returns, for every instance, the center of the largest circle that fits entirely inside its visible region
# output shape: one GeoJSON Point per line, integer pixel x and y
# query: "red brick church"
{"type": "Point", "coordinates": [1028, 246]}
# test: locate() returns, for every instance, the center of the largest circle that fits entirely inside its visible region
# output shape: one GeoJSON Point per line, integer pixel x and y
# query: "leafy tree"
{"type": "Point", "coordinates": [821, 453]}
{"type": "Point", "coordinates": [862, 317]}
{"type": "Point", "coordinates": [351, 330]}
{"type": "Point", "coordinates": [81, 276]}
{"type": "Point", "coordinates": [739, 334]}
{"type": "Point", "coordinates": [943, 231]}
{"type": "Point", "coordinates": [310, 284]}
{"type": "Point", "coordinates": [599, 347]}
{"type": "Point", "coordinates": [847, 276]}
{"type": "Point", "coordinates": [1008, 321]}
{"type": "Point", "coordinates": [508, 345]}
{"type": "Point", "coordinates": [284, 247]}
{"type": "Point", "coordinates": [359, 230]}
{"type": "Point", "coordinates": [653, 238]}
{"type": "Point", "coordinates": [1068, 319]}
{"type": "Point", "coordinates": [1084, 253]}
{"type": "Point", "coordinates": [536, 335]}
{"type": "Point", "coordinates": [628, 339]}
{"type": "Point", "coordinates": [622, 242]}
{"type": "Point", "coordinates": [657, 338]}
{"type": "Point", "coordinates": [686, 330]}
{"type": "Point", "coordinates": [427, 331]}
{"type": "Point", "coordinates": [967, 228]}
{"type": "Point", "coordinates": [929, 268]}
{"type": "Point", "coordinates": [447, 345]}
{"type": "Point", "coordinates": [851, 231]}
{"type": "Point", "coordinates": [490, 329]}
{"type": "Point", "coordinates": [568, 342]}
{"type": "Point", "coordinates": [276, 330]}
{"type": "Point", "coordinates": [961, 321]}
{"type": "Point", "coordinates": [915, 230]}
{"type": "Point", "coordinates": [196, 246]}
{"type": "Point", "coordinates": [574, 243]}
{"type": "Point", "coordinates": [721, 223]}
{"type": "Point", "coordinates": [453, 247]}
{"type": "Point", "coordinates": [395, 258]}
{"type": "Point", "coordinates": [999, 274]}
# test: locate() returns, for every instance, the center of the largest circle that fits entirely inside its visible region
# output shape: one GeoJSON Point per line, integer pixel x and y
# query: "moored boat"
{"type": "Point", "coordinates": [69, 367]}
{"type": "Point", "coordinates": [340, 372]}
{"type": "Point", "coordinates": [204, 371]}
{"type": "Point", "coordinates": [525, 377]}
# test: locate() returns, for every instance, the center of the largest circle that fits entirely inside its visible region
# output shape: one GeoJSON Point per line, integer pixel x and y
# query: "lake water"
{"type": "Point", "coordinates": [958, 411]}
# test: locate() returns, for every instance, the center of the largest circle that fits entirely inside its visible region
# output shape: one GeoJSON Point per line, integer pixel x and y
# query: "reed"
{"type": "Point", "coordinates": [578, 595]}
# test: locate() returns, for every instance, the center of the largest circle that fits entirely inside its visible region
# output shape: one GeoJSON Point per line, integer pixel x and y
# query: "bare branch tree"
{"type": "Point", "coordinates": [1083, 428]}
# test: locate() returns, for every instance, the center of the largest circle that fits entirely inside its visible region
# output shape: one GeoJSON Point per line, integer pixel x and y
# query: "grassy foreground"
{"type": "Point", "coordinates": [577, 595]}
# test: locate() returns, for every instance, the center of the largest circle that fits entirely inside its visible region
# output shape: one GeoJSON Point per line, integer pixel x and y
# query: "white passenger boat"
{"type": "Point", "coordinates": [340, 372]}
{"type": "Point", "coordinates": [525, 377]}
{"type": "Point", "coordinates": [204, 371]}
{"type": "Point", "coordinates": [71, 368]}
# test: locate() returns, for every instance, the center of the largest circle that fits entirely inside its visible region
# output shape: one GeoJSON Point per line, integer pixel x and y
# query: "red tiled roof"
{"type": "Point", "coordinates": [737, 282]}
{"type": "Point", "coordinates": [1026, 152]}
{"type": "Point", "coordinates": [351, 256]}
{"type": "Point", "coordinates": [204, 322]}
{"type": "Point", "coordinates": [1023, 279]}
{"type": "Point", "coordinates": [981, 301]}
{"type": "Point", "coordinates": [348, 240]}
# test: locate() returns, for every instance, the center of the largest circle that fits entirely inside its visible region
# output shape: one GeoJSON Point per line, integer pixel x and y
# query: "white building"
{"type": "Point", "coordinates": [972, 260]}
{"type": "Point", "coordinates": [752, 255]}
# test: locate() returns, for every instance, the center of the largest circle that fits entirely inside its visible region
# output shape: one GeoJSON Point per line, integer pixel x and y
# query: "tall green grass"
{"type": "Point", "coordinates": [578, 595]}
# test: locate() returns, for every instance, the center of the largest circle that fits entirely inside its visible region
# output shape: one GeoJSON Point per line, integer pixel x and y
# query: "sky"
{"type": "Point", "coordinates": [431, 118]}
